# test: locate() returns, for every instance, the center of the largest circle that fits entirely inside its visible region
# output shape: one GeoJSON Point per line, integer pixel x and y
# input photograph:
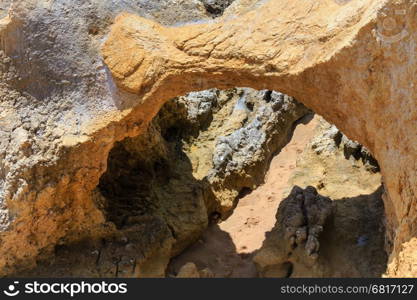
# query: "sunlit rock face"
{"type": "Point", "coordinates": [196, 159]}
{"type": "Point", "coordinates": [71, 86]}
{"type": "Point", "coordinates": [53, 82]}
{"type": "Point", "coordinates": [352, 62]}
{"type": "Point", "coordinates": [347, 233]}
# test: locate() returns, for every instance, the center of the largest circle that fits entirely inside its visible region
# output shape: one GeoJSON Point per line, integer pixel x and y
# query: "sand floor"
{"type": "Point", "coordinates": [226, 248]}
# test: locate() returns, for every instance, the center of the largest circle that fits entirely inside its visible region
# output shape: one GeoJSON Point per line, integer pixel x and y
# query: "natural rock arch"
{"type": "Point", "coordinates": [340, 59]}
{"type": "Point", "coordinates": [344, 59]}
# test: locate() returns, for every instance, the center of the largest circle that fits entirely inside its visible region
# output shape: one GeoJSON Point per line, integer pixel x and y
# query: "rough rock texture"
{"type": "Point", "coordinates": [336, 166]}
{"type": "Point", "coordinates": [216, 7]}
{"type": "Point", "coordinates": [185, 169]}
{"type": "Point", "coordinates": [189, 270]}
{"type": "Point", "coordinates": [53, 80]}
{"type": "Point", "coordinates": [194, 159]}
{"type": "Point", "coordinates": [315, 237]}
{"type": "Point", "coordinates": [4, 7]}
{"type": "Point", "coordinates": [352, 241]}
{"type": "Point", "coordinates": [257, 126]}
{"type": "Point", "coordinates": [352, 62]}
{"type": "Point", "coordinates": [301, 218]}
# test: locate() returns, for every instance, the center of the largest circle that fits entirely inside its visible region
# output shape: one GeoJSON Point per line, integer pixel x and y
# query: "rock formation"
{"type": "Point", "coordinates": [216, 7]}
{"type": "Point", "coordinates": [351, 242]}
{"type": "Point", "coordinates": [317, 237]}
{"type": "Point", "coordinates": [63, 109]}
{"type": "Point", "coordinates": [301, 218]}
{"type": "Point", "coordinates": [163, 187]}
{"type": "Point", "coordinates": [189, 270]}
{"type": "Point", "coordinates": [351, 62]}
{"type": "Point", "coordinates": [336, 166]}
{"type": "Point", "coordinates": [195, 158]}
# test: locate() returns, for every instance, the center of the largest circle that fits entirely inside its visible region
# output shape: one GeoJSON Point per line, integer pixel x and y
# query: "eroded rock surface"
{"type": "Point", "coordinates": [188, 168]}
{"type": "Point", "coordinates": [301, 218]}
{"type": "Point", "coordinates": [216, 7]}
{"type": "Point", "coordinates": [63, 109]}
{"type": "Point", "coordinates": [351, 243]}
{"type": "Point", "coordinates": [336, 166]}
{"type": "Point", "coordinates": [189, 270]}
{"type": "Point", "coordinates": [339, 238]}
{"type": "Point", "coordinates": [52, 81]}
{"type": "Point", "coordinates": [340, 60]}
{"type": "Point", "coordinates": [317, 237]}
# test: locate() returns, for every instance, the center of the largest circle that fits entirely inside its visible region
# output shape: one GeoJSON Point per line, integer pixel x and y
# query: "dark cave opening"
{"type": "Point", "coordinates": [159, 175]}
{"type": "Point", "coordinates": [193, 186]}
{"type": "Point", "coordinates": [199, 156]}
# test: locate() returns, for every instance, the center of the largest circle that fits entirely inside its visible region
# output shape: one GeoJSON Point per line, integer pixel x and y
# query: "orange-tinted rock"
{"type": "Point", "coordinates": [353, 62]}
{"type": "Point", "coordinates": [343, 60]}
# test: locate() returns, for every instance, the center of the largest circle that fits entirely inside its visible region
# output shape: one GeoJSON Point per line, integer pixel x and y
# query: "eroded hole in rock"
{"type": "Point", "coordinates": [199, 156]}
{"type": "Point", "coordinates": [206, 151]}
{"type": "Point", "coordinates": [331, 224]}
{"type": "Point", "coordinates": [195, 194]}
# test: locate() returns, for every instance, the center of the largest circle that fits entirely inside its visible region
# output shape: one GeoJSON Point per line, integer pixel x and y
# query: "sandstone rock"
{"type": "Point", "coordinates": [351, 242]}
{"type": "Point", "coordinates": [4, 8]}
{"type": "Point", "coordinates": [335, 165]}
{"type": "Point", "coordinates": [207, 273]}
{"type": "Point", "coordinates": [260, 125]}
{"type": "Point", "coordinates": [52, 80]}
{"type": "Point", "coordinates": [139, 250]}
{"type": "Point", "coordinates": [239, 7]}
{"type": "Point", "coordinates": [339, 60]}
{"type": "Point", "coordinates": [295, 238]}
{"type": "Point", "coordinates": [171, 171]}
{"type": "Point", "coordinates": [317, 237]}
{"type": "Point", "coordinates": [165, 177]}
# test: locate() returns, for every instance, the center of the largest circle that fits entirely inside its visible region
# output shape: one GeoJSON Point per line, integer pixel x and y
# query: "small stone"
{"type": "Point", "coordinates": [189, 270]}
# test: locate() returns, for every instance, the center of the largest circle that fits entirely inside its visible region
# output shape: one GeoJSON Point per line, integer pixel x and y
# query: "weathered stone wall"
{"type": "Point", "coordinates": [53, 81]}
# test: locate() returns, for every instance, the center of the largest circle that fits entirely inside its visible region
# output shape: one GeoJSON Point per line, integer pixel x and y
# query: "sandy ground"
{"type": "Point", "coordinates": [226, 248]}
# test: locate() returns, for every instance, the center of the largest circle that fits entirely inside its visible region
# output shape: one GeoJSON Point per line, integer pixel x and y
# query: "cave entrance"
{"type": "Point", "coordinates": [212, 170]}
{"type": "Point", "coordinates": [200, 154]}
